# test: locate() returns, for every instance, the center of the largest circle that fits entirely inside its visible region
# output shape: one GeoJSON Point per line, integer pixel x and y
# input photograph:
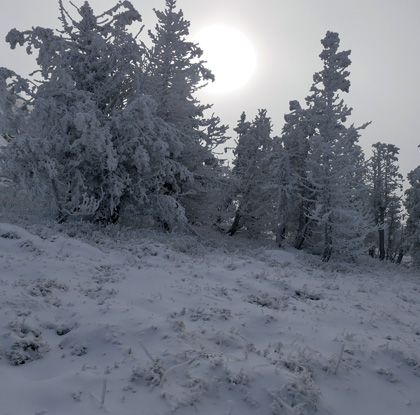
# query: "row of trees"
{"type": "Point", "coordinates": [112, 127]}
{"type": "Point", "coordinates": [312, 185]}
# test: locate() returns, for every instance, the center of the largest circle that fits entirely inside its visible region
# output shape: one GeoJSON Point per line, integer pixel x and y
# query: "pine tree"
{"type": "Point", "coordinates": [14, 102]}
{"type": "Point", "coordinates": [176, 73]}
{"type": "Point", "coordinates": [94, 142]}
{"type": "Point", "coordinates": [412, 205]}
{"type": "Point", "coordinates": [254, 193]}
{"type": "Point", "coordinates": [385, 183]}
{"type": "Point", "coordinates": [291, 155]}
{"type": "Point", "coordinates": [335, 164]}
{"type": "Point", "coordinates": [147, 151]}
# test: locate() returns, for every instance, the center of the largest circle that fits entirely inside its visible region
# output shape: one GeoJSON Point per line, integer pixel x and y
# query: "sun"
{"type": "Point", "coordinates": [229, 55]}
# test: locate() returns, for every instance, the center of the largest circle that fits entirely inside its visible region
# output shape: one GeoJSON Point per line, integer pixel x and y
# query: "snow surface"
{"type": "Point", "coordinates": [135, 322]}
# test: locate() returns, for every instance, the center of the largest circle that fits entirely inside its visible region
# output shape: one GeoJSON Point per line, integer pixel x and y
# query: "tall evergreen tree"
{"type": "Point", "coordinates": [176, 73]}
{"type": "Point", "coordinates": [294, 195]}
{"type": "Point", "coordinates": [412, 205]}
{"type": "Point", "coordinates": [93, 140]}
{"type": "Point", "coordinates": [254, 193]}
{"type": "Point", "coordinates": [335, 164]}
{"type": "Point", "coordinates": [385, 183]}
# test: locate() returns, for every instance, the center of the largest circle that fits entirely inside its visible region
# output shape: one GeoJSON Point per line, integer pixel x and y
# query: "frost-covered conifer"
{"type": "Point", "coordinates": [385, 182]}
{"type": "Point", "coordinates": [176, 73]}
{"type": "Point", "coordinates": [68, 151]}
{"type": "Point", "coordinates": [335, 164]}
{"type": "Point", "coordinates": [14, 102]}
{"type": "Point", "coordinates": [147, 151]}
{"type": "Point", "coordinates": [412, 204]}
{"type": "Point", "coordinates": [254, 193]}
{"type": "Point", "coordinates": [294, 193]}
{"type": "Point", "coordinates": [94, 142]}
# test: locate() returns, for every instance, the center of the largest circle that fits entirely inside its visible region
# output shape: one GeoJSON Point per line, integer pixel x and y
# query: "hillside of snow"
{"type": "Point", "coordinates": [136, 322]}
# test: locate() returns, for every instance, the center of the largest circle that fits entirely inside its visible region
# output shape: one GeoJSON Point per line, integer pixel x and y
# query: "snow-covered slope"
{"type": "Point", "coordinates": [130, 324]}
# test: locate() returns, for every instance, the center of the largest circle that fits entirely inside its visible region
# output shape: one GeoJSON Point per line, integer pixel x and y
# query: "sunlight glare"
{"type": "Point", "coordinates": [229, 55]}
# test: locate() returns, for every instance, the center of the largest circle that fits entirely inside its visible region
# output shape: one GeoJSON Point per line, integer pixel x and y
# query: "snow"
{"type": "Point", "coordinates": [132, 321]}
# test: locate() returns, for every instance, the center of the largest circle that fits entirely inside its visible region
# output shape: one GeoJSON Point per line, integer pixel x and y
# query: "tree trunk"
{"type": "Point", "coordinates": [301, 234]}
{"type": "Point", "coordinates": [283, 214]}
{"type": "Point", "coordinates": [235, 224]}
{"type": "Point", "coordinates": [400, 257]}
{"type": "Point", "coordinates": [281, 229]}
{"type": "Point", "coordinates": [381, 232]}
{"type": "Point", "coordinates": [62, 215]}
{"type": "Point", "coordinates": [328, 248]}
{"type": "Point", "coordinates": [280, 232]}
{"type": "Point", "coordinates": [326, 255]}
{"type": "Point", "coordinates": [381, 244]}
{"type": "Point", "coordinates": [115, 216]}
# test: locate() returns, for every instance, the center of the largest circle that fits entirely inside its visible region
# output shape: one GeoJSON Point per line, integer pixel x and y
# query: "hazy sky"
{"type": "Point", "coordinates": [383, 35]}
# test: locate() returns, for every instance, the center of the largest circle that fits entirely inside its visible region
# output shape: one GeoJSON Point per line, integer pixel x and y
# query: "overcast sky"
{"type": "Point", "coordinates": [383, 35]}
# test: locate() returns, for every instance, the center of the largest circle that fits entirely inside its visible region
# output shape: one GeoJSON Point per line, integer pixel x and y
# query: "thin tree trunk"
{"type": "Point", "coordinates": [235, 224]}
{"type": "Point", "coordinates": [280, 232]}
{"type": "Point", "coordinates": [381, 244]}
{"type": "Point", "coordinates": [282, 218]}
{"type": "Point", "coordinates": [381, 232]}
{"type": "Point", "coordinates": [400, 257]}
{"type": "Point", "coordinates": [301, 234]}
{"type": "Point", "coordinates": [115, 216]}
{"type": "Point", "coordinates": [281, 229]}
{"type": "Point", "coordinates": [326, 255]}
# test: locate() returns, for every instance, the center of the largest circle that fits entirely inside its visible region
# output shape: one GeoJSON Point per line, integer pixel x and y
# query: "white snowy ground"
{"type": "Point", "coordinates": [211, 327]}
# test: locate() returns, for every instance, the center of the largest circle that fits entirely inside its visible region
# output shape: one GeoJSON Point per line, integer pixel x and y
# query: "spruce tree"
{"type": "Point", "coordinates": [254, 193]}
{"type": "Point", "coordinates": [175, 74]}
{"type": "Point", "coordinates": [412, 205]}
{"type": "Point", "coordinates": [339, 221]}
{"type": "Point", "coordinates": [94, 143]}
{"type": "Point", "coordinates": [14, 101]}
{"type": "Point", "coordinates": [385, 182]}
{"type": "Point", "coordinates": [294, 194]}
